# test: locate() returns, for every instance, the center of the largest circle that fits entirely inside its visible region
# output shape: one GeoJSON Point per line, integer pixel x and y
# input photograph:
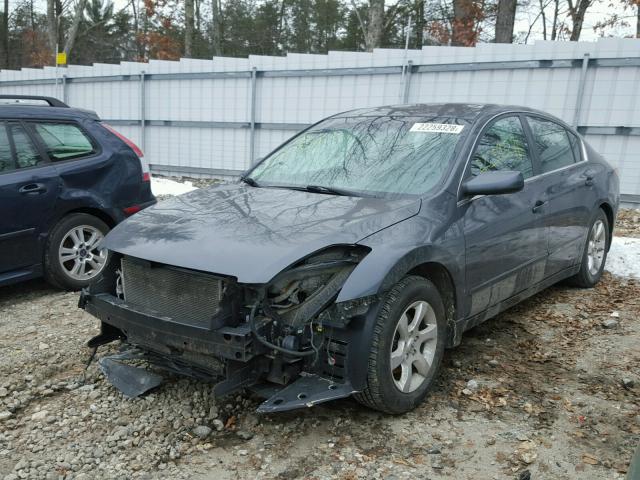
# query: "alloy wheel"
{"type": "Point", "coordinates": [596, 247]}
{"type": "Point", "coordinates": [414, 346]}
{"type": "Point", "coordinates": [81, 254]}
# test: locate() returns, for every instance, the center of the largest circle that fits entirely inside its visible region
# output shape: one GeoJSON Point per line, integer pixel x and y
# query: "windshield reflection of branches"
{"type": "Point", "coordinates": [369, 154]}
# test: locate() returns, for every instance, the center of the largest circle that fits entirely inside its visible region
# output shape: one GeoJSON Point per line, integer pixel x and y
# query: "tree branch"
{"type": "Point", "coordinates": [360, 21]}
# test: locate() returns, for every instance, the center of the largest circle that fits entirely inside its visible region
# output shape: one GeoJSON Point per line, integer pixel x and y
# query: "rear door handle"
{"type": "Point", "coordinates": [588, 178]}
{"type": "Point", "coordinates": [537, 207]}
{"type": "Point", "coordinates": [33, 189]}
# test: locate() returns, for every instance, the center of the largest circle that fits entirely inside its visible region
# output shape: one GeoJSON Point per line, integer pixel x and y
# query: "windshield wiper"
{"type": "Point", "coordinates": [332, 191]}
{"type": "Point", "coordinates": [249, 181]}
{"type": "Point", "coordinates": [321, 189]}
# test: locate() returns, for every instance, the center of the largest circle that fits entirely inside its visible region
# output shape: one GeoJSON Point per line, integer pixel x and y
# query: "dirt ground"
{"type": "Point", "coordinates": [547, 390]}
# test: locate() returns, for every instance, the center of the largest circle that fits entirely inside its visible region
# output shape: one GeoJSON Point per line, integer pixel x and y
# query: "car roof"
{"type": "Point", "coordinates": [467, 111]}
{"type": "Point", "coordinates": [44, 111]}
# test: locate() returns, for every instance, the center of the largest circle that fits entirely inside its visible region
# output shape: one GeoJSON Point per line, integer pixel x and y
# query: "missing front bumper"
{"type": "Point", "coordinates": [228, 357]}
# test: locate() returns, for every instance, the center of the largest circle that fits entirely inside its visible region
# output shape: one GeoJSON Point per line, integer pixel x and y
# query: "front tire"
{"type": "Point", "coordinates": [73, 255]}
{"type": "Point", "coordinates": [595, 252]}
{"type": "Point", "coordinates": [407, 347]}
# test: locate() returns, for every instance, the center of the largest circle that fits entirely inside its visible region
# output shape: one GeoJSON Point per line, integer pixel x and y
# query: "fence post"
{"type": "Point", "coordinates": [407, 82]}
{"type": "Point", "coordinates": [252, 116]}
{"type": "Point", "coordinates": [142, 111]}
{"type": "Point", "coordinates": [580, 93]}
{"type": "Point", "coordinates": [65, 93]}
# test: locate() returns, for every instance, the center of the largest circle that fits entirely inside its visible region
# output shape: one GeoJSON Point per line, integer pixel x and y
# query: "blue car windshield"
{"type": "Point", "coordinates": [375, 155]}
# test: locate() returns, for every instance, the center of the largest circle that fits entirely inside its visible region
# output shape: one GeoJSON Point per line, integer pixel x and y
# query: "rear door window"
{"type": "Point", "coordinates": [64, 141]}
{"type": "Point", "coordinates": [26, 153]}
{"type": "Point", "coordinates": [552, 144]}
{"type": "Point", "coordinates": [6, 157]}
{"type": "Point", "coordinates": [503, 146]}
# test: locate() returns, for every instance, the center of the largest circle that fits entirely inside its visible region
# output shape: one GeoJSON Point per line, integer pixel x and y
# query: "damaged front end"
{"type": "Point", "coordinates": [288, 340]}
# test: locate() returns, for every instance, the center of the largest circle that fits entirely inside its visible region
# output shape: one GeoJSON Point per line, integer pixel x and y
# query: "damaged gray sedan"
{"type": "Point", "coordinates": [348, 259]}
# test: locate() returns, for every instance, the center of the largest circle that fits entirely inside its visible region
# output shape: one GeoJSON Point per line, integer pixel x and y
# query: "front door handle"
{"type": "Point", "coordinates": [537, 207]}
{"type": "Point", "coordinates": [33, 189]}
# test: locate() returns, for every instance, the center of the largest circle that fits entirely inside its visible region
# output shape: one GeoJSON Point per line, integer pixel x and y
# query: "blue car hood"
{"type": "Point", "coordinates": [251, 233]}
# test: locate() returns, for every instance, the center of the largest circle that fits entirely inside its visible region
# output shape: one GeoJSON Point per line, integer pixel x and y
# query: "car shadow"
{"type": "Point", "coordinates": [25, 291]}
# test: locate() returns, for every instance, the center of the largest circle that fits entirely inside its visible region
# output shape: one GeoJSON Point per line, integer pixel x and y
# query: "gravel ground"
{"type": "Point", "coordinates": [548, 390]}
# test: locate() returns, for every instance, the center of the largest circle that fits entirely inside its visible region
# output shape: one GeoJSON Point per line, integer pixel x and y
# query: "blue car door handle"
{"type": "Point", "coordinates": [33, 189]}
{"type": "Point", "coordinates": [537, 207]}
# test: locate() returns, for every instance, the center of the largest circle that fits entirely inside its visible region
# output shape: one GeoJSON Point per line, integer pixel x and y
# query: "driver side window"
{"type": "Point", "coordinates": [503, 146]}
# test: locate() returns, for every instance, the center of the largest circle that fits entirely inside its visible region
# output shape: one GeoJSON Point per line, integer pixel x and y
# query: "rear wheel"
{"type": "Point", "coordinates": [595, 252]}
{"type": "Point", "coordinates": [407, 347]}
{"type": "Point", "coordinates": [74, 256]}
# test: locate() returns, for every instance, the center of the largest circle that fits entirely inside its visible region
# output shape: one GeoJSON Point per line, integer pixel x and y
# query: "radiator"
{"type": "Point", "coordinates": [184, 296]}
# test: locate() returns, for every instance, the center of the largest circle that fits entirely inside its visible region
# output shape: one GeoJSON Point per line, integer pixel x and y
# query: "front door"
{"type": "Point", "coordinates": [505, 235]}
{"type": "Point", "coordinates": [28, 190]}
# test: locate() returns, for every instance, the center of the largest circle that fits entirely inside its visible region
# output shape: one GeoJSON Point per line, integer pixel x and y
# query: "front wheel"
{"type": "Point", "coordinates": [407, 348]}
{"type": "Point", "coordinates": [595, 251]}
{"type": "Point", "coordinates": [74, 256]}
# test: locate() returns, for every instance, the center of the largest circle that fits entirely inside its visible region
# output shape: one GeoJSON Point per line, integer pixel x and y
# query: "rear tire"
{"type": "Point", "coordinates": [72, 259]}
{"type": "Point", "coordinates": [415, 346]}
{"type": "Point", "coordinates": [595, 252]}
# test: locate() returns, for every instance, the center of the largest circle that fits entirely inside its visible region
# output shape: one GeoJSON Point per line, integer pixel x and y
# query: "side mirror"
{"type": "Point", "coordinates": [494, 183]}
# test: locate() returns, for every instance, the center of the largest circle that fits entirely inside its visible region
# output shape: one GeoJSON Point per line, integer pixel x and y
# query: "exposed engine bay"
{"type": "Point", "coordinates": [288, 340]}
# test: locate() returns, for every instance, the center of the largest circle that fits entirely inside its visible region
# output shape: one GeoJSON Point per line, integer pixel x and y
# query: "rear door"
{"type": "Point", "coordinates": [28, 191]}
{"type": "Point", "coordinates": [564, 177]}
{"type": "Point", "coordinates": [505, 235]}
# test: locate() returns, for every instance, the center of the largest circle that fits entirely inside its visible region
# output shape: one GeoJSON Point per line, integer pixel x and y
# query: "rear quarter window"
{"type": "Point", "coordinates": [552, 144]}
{"type": "Point", "coordinates": [64, 141]}
{"type": "Point", "coordinates": [575, 146]}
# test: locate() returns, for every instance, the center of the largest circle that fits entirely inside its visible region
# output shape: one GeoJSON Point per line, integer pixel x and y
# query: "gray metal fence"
{"type": "Point", "coordinates": [216, 117]}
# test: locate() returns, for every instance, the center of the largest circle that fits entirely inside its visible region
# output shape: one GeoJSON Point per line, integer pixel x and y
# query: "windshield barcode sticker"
{"type": "Point", "coordinates": [436, 128]}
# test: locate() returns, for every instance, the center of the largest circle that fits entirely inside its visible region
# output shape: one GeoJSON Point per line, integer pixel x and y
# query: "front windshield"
{"type": "Point", "coordinates": [375, 155]}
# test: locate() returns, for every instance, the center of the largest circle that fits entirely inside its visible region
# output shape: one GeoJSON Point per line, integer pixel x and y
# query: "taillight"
{"type": "Point", "coordinates": [131, 210]}
{"type": "Point", "coordinates": [146, 174]}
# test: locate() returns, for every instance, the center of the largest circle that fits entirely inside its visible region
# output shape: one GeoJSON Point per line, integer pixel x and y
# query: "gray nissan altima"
{"type": "Point", "coordinates": [348, 259]}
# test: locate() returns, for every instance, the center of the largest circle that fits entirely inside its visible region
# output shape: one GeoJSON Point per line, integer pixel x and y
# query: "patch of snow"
{"type": "Point", "coordinates": [166, 186]}
{"type": "Point", "coordinates": [624, 257]}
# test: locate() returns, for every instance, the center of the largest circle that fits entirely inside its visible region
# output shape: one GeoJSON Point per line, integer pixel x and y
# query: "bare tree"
{"type": "Point", "coordinates": [216, 34]}
{"type": "Point", "coordinates": [5, 33]}
{"type": "Point", "coordinates": [73, 31]}
{"type": "Point", "coordinates": [466, 15]}
{"type": "Point", "coordinates": [554, 27]}
{"type": "Point", "coordinates": [577, 11]}
{"type": "Point", "coordinates": [52, 25]}
{"type": "Point", "coordinates": [373, 29]}
{"type": "Point", "coordinates": [544, 20]}
{"type": "Point", "coordinates": [505, 19]}
{"type": "Point", "coordinates": [419, 23]}
{"type": "Point", "coordinates": [376, 24]}
{"type": "Point", "coordinates": [54, 12]}
{"type": "Point", "coordinates": [188, 28]}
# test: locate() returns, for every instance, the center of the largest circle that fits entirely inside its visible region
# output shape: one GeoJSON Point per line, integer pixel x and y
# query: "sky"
{"type": "Point", "coordinates": [600, 10]}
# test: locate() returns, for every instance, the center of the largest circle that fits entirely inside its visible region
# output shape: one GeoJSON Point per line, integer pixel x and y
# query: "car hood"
{"type": "Point", "coordinates": [251, 233]}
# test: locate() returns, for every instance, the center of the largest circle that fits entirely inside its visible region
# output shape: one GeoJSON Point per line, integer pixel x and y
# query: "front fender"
{"type": "Point", "coordinates": [397, 250]}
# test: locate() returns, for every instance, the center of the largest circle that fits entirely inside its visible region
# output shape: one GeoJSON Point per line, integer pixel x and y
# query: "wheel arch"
{"type": "Point", "coordinates": [96, 212]}
{"type": "Point", "coordinates": [440, 276]}
{"type": "Point", "coordinates": [608, 211]}
{"type": "Point", "coordinates": [381, 269]}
